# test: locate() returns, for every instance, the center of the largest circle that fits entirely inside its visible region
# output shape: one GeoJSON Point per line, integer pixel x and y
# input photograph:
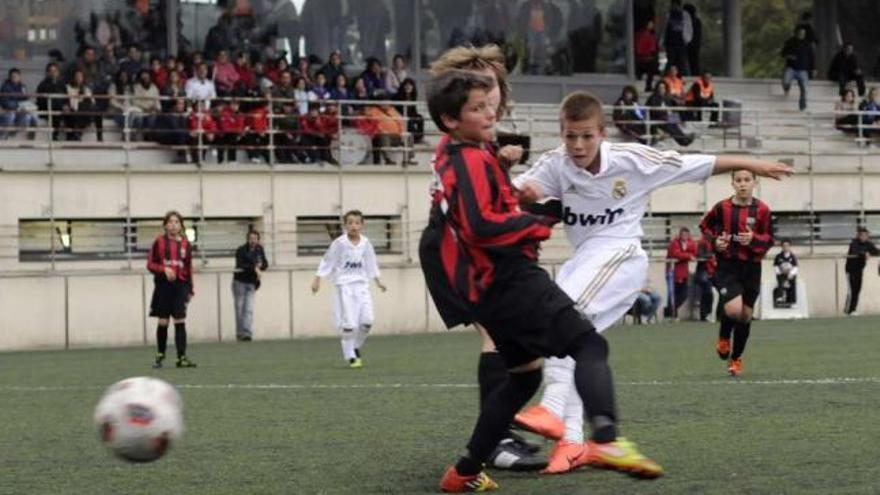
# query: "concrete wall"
{"type": "Point", "coordinates": [110, 310]}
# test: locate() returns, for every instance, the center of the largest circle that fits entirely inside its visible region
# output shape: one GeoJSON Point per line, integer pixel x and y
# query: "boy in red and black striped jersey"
{"type": "Point", "coordinates": [479, 256]}
{"type": "Point", "coordinates": [170, 261]}
{"type": "Point", "coordinates": [739, 227]}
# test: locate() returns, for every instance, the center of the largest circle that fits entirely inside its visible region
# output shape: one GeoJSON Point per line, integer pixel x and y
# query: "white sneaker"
{"type": "Point", "coordinates": [854, 313]}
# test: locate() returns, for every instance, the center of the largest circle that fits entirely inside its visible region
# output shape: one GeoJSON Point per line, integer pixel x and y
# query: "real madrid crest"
{"type": "Point", "coordinates": [618, 191]}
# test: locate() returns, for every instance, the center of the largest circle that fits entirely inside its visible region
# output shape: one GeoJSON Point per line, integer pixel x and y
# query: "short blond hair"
{"type": "Point", "coordinates": [581, 105]}
{"type": "Point", "coordinates": [477, 59]}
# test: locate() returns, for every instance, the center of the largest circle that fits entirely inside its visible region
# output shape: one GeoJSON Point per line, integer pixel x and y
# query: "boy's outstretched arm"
{"type": "Point", "coordinates": [762, 168]}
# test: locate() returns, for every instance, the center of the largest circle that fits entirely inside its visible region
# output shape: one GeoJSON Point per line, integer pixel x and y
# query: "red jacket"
{"type": "Point", "coordinates": [208, 124]}
{"type": "Point", "coordinates": [160, 77]}
{"type": "Point", "coordinates": [683, 254]}
{"type": "Point", "coordinates": [231, 122]}
{"type": "Point", "coordinates": [245, 76]}
{"type": "Point", "coordinates": [645, 45]}
{"type": "Point", "coordinates": [169, 253]}
{"type": "Point", "coordinates": [259, 120]}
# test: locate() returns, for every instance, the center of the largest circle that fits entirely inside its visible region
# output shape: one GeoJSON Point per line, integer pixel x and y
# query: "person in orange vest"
{"type": "Point", "coordinates": [701, 95]}
{"type": "Point", "coordinates": [675, 84]}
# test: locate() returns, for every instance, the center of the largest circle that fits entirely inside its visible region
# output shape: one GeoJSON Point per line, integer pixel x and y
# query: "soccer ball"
{"type": "Point", "coordinates": [785, 268]}
{"type": "Point", "coordinates": [139, 418]}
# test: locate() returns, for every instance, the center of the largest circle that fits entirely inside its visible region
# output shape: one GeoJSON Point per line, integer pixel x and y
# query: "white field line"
{"type": "Point", "coordinates": [373, 386]}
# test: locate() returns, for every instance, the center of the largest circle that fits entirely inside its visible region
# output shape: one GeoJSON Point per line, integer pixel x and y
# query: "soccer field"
{"type": "Point", "coordinates": [291, 418]}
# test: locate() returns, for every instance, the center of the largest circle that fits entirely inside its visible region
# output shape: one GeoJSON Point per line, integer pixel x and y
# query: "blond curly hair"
{"type": "Point", "coordinates": [477, 59]}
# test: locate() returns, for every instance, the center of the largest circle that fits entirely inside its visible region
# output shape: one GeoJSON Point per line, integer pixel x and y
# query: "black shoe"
{"type": "Point", "coordinates": [246, 338]}
{"type": "Point", "coordinates": [159, 358]}
{"type": "Point", "coordinates": [523, 444]}
{"type": "Point", "coordinates": [510, 457]}
{"type": "Point", "coordinates": [184, 362]}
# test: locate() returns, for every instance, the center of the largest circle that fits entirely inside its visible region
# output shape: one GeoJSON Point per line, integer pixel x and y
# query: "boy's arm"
{"type": "Point", "coordinates": [762, 238]}
{"type": "Point", "coordinates": [762, 168]}
{"type": "Point", "coordinates": [541, 175]}
{"type": "Point", "coordinates": [481, 225]}
{"type": "Point", "coordinates": [328, 261]}
{"type": "Point", "coordinates": [154, 260]}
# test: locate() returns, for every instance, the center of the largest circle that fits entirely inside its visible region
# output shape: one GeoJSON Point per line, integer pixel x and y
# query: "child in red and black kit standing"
{"type": "Point", "coordinates": [232, 132]}
{"type": "Point", "coordinates": [315, 135]}
{"type": "Point", "coordinates": [479, 257]}
{"type": "Point", "coordinates": [202, 130]}
{"type": "Point", "coordinates": [170, 261]}
{"type": "Point", "coordinates": [739, 227]}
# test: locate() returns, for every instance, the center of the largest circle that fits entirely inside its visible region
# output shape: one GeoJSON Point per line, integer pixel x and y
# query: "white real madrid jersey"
{"type": "Point", "coordinates": [349, 263]}
{"type": "Point", "coordinates": [612, 202]}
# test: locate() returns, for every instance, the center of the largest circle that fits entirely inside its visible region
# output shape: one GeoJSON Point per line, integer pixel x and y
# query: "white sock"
{"type": "Point", "coordinates": [361, 336]}
{"type": "Point", "coordinates": [574, 417]}
{"type": "Point", "coordinates": [348, 338]}
{"type": "Point", "coordinates": [558, 380]}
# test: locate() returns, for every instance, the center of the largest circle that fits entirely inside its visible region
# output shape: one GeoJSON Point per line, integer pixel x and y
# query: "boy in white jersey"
{"type": "Point", "coordinates": [604, 190]}
{"type": "Point", "coordinates": [352, 261]}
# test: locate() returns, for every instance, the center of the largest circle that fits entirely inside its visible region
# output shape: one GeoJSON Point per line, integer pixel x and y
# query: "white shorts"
{"type": "Point", "coordinates": [604, 280]}
{"type": "Point", "coordinates": [353, 306]}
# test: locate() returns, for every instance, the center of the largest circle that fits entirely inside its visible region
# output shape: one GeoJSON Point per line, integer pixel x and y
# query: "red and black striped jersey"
{"type": "Point", "coordinates": [485, 234]}
{"type": "Point", "coordinates": [726, 217]}
{"type": "Point", "coordinates": [175, 254]}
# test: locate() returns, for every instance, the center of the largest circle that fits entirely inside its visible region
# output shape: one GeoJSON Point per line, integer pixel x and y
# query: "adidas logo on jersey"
{"type": "Point", "coordinates": [571, 218]}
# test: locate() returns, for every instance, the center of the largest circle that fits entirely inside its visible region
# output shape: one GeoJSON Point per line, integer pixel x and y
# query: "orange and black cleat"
{"type": "Point", "coordinates": [453, 482]}
{"type": "Point", "coordinates": [723, 348]}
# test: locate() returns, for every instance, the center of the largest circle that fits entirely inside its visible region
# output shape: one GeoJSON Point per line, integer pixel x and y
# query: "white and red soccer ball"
{"type": "Point", "coordinates": [139, 418]}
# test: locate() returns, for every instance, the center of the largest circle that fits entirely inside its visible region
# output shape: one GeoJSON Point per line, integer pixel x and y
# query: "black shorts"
{"type": "Point", "coordinates": [738, 278]}
{"type": "Point", "coordinates": [522, 314]}
{"type": "Point", "coordinates": [453, 309]}
{"type": "Point", "coordinates": [169, 299]}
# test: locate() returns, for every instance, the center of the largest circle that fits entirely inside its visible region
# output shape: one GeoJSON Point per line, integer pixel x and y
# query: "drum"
{"type": "Point", "coordinates": [350, 147]}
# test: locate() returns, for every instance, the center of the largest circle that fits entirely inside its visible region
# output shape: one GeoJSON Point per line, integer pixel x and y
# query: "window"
{"type": "Point", "coordinates": [315, 233]}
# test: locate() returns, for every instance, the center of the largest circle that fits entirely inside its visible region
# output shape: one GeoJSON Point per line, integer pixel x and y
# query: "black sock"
{"type": "Point", "coordinates": [491, 373]}
{"type": "Point", "coordinates": [726, 327]}
{"type": "Point", "coordinates": [741, 333]}
{"type": "Point", "coordinates": [357, 352]}
{"type": "Point", "coordinates": [497, 412]}
{"type": "Point", "coordinates": [180, 338]}
{"type": "Point", "coordinates": [161, 338]}
{"type": "Point", "coordinates": [467, 466]}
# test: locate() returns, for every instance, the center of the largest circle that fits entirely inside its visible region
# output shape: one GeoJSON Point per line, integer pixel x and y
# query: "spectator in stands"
{"type": "Point", "coordinates": [334, 66]}
{"type": "Point", "coordinates": [121, 93]}
{"type": "Point", "coordinates": [704, 277]}
{"type": "Point", "coordinates": [51, 87]}
{"type": "Point", "coordinates": [415, 122]}
{"type": "Point", "coordinates": [806, 22]}
{"type": "Point", "coordinates": [630, 117]}
{"type": "Point", "coordinates": [15, 109]}
{"type": "Point", "coordinates": [359, 90]}
{"type": "Point", "coordinates": [395, 76]}
{"type": "Point", "coordinates": [171, 66]}
{"type": "Point", "coordinates": [202, 130]}
{"type": "Point", "coordinates": [233, 130]}
{"type": "Point", "coordinates": [287, 135]}
{"type": "Point", "coordinates": [132, 62]}
{"type": "Point", "coordinates": [108, 64]}
{"type": "Point", "coordinates": [225, 74]}
{"type": "Point", "coordinates": [682, 250]}
{"type": "Point", "coordinates": [870, 118]}
{"type": "Point", "coordinates": [173, 128]}
{"type": "Point", "coordinates": [80, 109]}
{"type": "Point", "coordinates": [538, 21]}
{"type": "Point", "coordinates": [195, 61]}
{"type": "Point", "coordinates": [702, 95]}
{"type": "Point", "coordinates": [662, 119]}
{"type": "Point", "coordinates": [250, 263]}
{"type": "Point", "coordinates": [678, 33]}
{"type": "Point", "coordinates": [158, 73]}
{"type": "Point", "coordinates": [304, 70]}
{"type": "Point", "coordinates": [374, 79]}
{"type": "Point", "coordinates": [845, 117]}
{"type": "Point", "coordinates": [859, 250]}
{"type": "Point", "coordinates": [175, 88]}
{"type": "Point", "coordinates": [798, 54]}
{"type": "Point", "coordinates": [277, 70]}
{"type": "Point", "coordinates": [145, 104]}
{"type": "Point", "coordinates": [91, 69]}
{"type": "Point", "coordinates": [320, 87]}
{"type": "Point", "coordinates": [845, 68]}
{"type": "Point", "coordinates": [257, 137]}
{"type": "Point", "coordinates": [647, 303]}
{"type": "Point", "coordinates": [200, 87]}
{"type": "Point", "coordinates": [283, 90]}
{"type": "Point", "coordinates": [340, 90]}
{"type": "Point", "coordinates": [303, 95]}
{"type": "Point", "coordinates": [696, 41]}
{"type": "Point", "coordinates": [262, 81]}
{"type": "Point", "coordinates": [389, 131]}
{"type": "Point", "coordinates": [674, 85]}
{"type": "Point", "coordinates": [315, 136]}
{"type": "Point", "coordinates": [785, 266]}
{"type": "Point", "coordinates": [247, 81]}
{"type": "Point", "coordinates": [647, 55]}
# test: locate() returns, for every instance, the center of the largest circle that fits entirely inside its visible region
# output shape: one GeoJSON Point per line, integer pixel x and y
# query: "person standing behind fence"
{"type": "Point", "coordinates": [682, 250]}
{"type": "Point", "coordinates": [170, 262]}
{"type": "Point", "coordinates": [250, 263]}
{"type": "Point", "coordinates": [705, 276]}
{"type": "Point", "coordinates": [859, 249]}
{"type": "Point", "coordinates": [352, 261]}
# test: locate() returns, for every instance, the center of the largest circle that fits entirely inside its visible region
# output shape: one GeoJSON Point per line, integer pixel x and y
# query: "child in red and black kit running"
{"type": "Point", "coordinates": [479, 256]}
{"type": "Point", "coordinates": [170, 261]}
{"type": "Point", "coordinates": [739, 228]}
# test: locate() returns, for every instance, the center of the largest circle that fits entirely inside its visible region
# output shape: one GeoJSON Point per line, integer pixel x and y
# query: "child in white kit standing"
{"type": "Point", "coordinates": [352, 261]}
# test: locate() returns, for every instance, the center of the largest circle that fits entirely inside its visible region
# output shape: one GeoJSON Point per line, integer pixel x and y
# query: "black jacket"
{"type": "Point", "coordinates": [855, 257]}
{"type": "Point", "coordinates": [246, 263]}
{"type": "Point", "coordinates": [798, 54]}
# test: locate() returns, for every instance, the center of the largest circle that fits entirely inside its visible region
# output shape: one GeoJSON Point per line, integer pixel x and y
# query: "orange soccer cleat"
{"type": "Point", "coordinates": [538, 419]}
{"type": "Point", "coordinates": [566, 457]}
{"type": "Point", "coordinates": [736, 367]}
{"type": "Point", "coordinates": [453, 482]}
{"type": "Point", "coordinates": [723, 348]}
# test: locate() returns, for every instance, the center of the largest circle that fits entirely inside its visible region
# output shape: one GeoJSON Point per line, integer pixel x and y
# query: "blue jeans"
{"type": "Point", "coordinates": [648, 304]}
{"type": "Point", "coordinates": [243, 293]}
{"type": "Point", "coordinates": [802, 78]}
{"type": "Point", "coordinates": [15, 118]}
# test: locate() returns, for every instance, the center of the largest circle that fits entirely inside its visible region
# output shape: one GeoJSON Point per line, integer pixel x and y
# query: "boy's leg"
{"type": "Point", "coordinates": [365, 317]}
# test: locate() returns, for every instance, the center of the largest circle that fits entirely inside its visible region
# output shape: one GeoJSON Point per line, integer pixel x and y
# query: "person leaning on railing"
{"type": "Point", "coordinates": [51, 89]}
{"type": "Point", "coordinates": [287, 134]}
{"type": "Point", "coordinates": [870, 116]}
{"type": "Point", "coordinates": [145, 104]}
{"type": "Point", "coordinates": [172, 128]}
{"type": "Point", "coordinates": [202, 130]}
{"type": "Point", "coordinates": [415, 122]}
{"type": "Point", "coordinates": [15, 109]}
{"type": "Point", "coordinates": [80, 109]}
{"type": "Point", "coordinates": [845, 117]}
